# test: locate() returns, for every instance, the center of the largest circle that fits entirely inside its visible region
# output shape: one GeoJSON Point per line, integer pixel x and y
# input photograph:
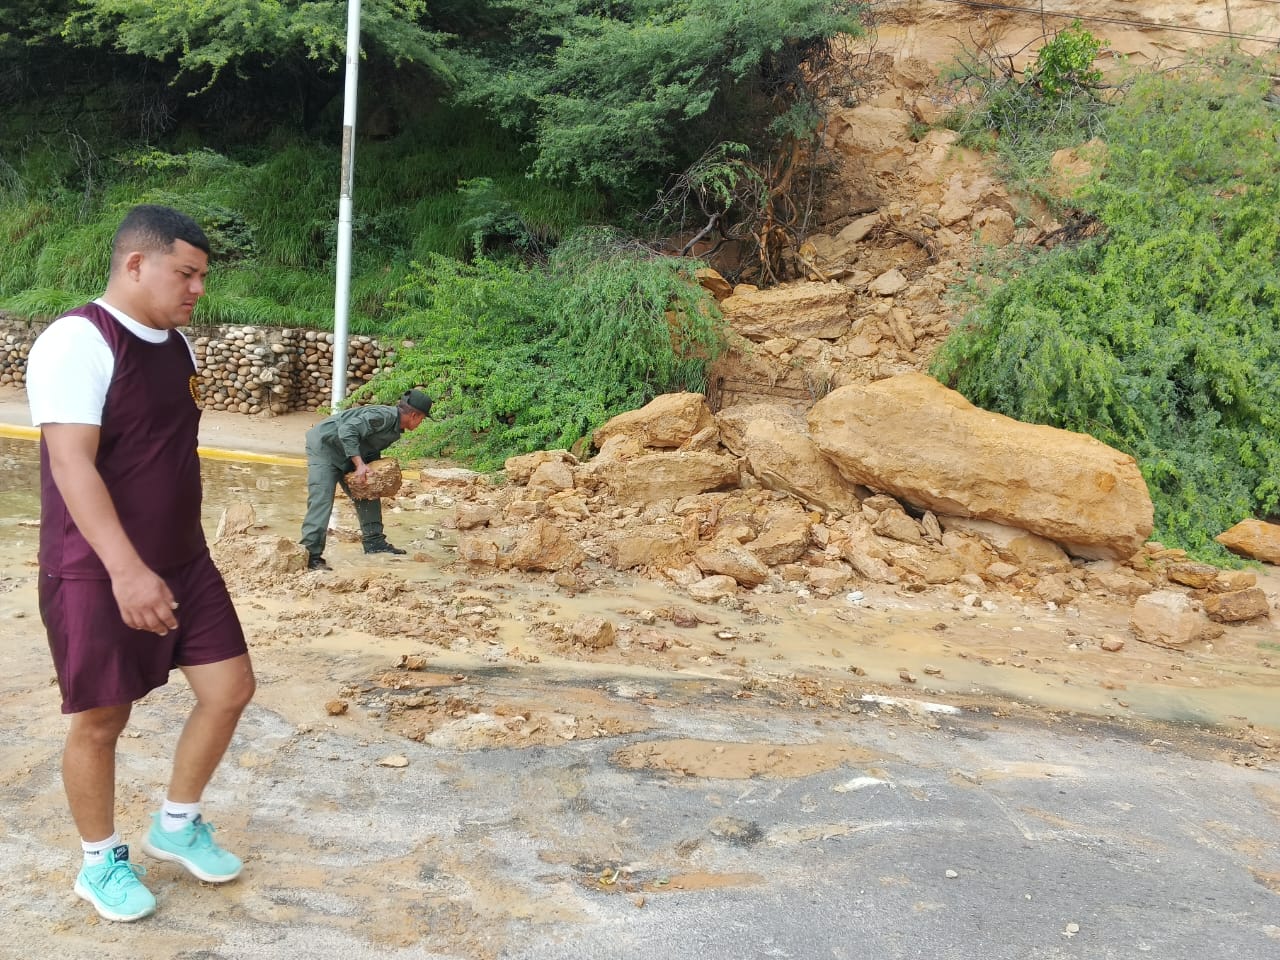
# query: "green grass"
{"type": "Point", "coordinates": [271, 216]}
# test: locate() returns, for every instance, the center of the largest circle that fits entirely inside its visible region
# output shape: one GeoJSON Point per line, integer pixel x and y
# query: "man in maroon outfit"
{"type": "Point", "coordinates": [127, 588]}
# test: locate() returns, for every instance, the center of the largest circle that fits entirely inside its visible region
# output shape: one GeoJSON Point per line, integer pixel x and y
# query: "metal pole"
{"type": "Point", "coordinates": [342, 287]}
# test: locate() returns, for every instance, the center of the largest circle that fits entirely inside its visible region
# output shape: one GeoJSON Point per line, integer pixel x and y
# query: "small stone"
{"type": "Point", "coordinates": [395, 760]}
{"type": "Point", "coordinates": [951, 874]}
{"type": "Point", "coordinates": [336, 708]}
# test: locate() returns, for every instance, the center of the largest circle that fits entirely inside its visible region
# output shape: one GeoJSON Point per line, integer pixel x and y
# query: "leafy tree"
{"type": "Point", "coordinates": [204, 38]}
{"type": "Point", "coordinates": [619, 94]}
{"type": "Point", "coordinates": [29, 22]}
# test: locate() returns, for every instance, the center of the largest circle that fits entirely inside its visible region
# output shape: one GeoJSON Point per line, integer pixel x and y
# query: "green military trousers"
{"type": "Point", "coordinates": [322, 478]}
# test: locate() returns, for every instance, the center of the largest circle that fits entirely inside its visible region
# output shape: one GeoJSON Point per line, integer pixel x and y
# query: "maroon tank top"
{"type": "Point", "coordinates": [146, 456]}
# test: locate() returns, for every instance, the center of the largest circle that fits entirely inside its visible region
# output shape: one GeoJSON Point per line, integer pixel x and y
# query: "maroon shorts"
{"type": "Point", "coordinates": [101, 662]}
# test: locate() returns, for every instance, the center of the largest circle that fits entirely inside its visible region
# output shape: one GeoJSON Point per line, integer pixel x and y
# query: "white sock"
{"type": "Point", "coordinates": [175, 816]}
{"type": "Point", "coordinates": [95, 850]}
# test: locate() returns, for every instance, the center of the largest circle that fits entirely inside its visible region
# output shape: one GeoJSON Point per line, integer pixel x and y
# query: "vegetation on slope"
{"type": "Point", "coordinates": [528, 358]}
{"type": "Point", "coordinates": [1160, 335]}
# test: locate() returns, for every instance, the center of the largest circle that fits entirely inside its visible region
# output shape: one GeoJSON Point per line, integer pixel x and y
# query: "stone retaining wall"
{"type": "Point", "coordinates": [249, 370]}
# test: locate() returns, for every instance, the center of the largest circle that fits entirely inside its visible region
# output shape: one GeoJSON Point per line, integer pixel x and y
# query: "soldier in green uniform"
{"type": "Point", "coordinates": [351, 440]}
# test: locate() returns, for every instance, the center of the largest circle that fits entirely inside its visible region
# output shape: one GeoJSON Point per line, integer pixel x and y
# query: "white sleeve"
{"type": "Point", "coordinates": [68, 373]}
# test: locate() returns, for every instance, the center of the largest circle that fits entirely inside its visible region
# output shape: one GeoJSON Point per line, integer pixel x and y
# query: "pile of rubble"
{"type": "Point", "coordinates": [901, 482]}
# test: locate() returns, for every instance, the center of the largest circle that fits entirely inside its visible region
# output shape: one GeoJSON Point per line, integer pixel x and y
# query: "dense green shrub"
{"type": "Point", "coordinates": [1162, 336]}
{"type": "Point", "coordinates": [621, 95]}
{"type": "Point", "coordinates": [523, 358]}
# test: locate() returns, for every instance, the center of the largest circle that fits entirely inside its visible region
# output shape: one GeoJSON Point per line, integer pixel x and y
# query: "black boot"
{"type": "Point", "coordinates": [383, 547]}
{"type": "Point", "coordinates": [317, 562]}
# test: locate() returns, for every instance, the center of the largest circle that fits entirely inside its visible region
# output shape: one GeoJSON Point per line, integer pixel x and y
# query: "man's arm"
{"type": "Point", "coordinates": [145, 600]}
{"type": "Point", "coordinates": [353, 427]}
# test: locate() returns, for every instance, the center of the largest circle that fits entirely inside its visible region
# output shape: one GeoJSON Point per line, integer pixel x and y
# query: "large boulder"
{"type": "Point", "coordinates": [520, 468]}
{"type": "Point", "coordinates": [712, 282]}
{"type": "Point", "coordinates": [730, 559]}
{"type": "Point", "coordinates": [644, 545]}
{"type": "Point", "coordinates": [660, 476]}
{"type": "Point", "coordinates": [664, 423]}
{"type": "Point", "coordinates": [1014, 545]}
{"type": "Point", "coordinates": [1168, 618]}
{"type": "Point", "coordinates": [786, 532]}
{"type": "Point", "coordinates": [544, 546]}
{"type": "Point", "coordinates": [799, 311]}
{"type": "Point", "coordinates": [774, 442]}
{"type": "Point", "coordinates": [1253, 538]}
{"type": "Point", "coordinates": [911, 437]}
{"type": "Point", "coordinates": [1237, 606]}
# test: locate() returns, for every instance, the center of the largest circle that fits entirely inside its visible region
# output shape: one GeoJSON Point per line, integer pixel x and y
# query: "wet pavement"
{"type": "Point", "coordinates": [960, 837]}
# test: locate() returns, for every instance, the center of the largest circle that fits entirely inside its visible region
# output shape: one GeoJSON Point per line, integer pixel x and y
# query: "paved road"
{"type": "Point", "coordinates": [983, 839]}
{"type": "Point", "coordinates": [282, 436]}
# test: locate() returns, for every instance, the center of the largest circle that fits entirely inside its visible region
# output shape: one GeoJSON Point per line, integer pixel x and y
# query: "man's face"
{"type": "Point", "coordinates": [411, 419]}
{"type": "Point", "coordinates": [168, 284]}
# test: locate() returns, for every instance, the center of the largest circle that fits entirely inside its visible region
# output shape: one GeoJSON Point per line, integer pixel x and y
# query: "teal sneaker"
{"type": "Point", "coordinates": [114, 889]}
{"type": "Point", "coordinates": [193, 848]}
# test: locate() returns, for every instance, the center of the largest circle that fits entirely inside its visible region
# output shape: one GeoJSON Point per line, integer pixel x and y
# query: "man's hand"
{"type": "Point", "coordinates": [145, 601]}
{"type": "Point", "coordinates": [361, 470]}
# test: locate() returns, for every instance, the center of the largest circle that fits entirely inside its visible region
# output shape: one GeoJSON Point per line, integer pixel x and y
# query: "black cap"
{"type": "Point", "coordinates": [418, 400]}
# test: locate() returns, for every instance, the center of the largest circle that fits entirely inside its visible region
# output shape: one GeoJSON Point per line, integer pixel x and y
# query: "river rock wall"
{"type": "Point", "coordinates": [250, 370]}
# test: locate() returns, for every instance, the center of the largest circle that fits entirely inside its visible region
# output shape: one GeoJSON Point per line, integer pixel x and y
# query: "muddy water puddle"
{"type": "Point", "coordinates": [278, 493]}
{"type": "Point", "coordinates": [1033, 658]}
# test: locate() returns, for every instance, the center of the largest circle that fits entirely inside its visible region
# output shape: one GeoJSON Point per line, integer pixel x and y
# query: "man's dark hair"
{"type": "Point", "coordinates": [151, 227]}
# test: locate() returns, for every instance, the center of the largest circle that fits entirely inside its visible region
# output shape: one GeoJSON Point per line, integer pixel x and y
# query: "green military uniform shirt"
{"type": "Point", "coordinates": [360, 431]}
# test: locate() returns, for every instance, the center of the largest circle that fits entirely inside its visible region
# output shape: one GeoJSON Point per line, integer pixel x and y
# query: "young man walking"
{"type": "Point", "coordinates": [128, 591]}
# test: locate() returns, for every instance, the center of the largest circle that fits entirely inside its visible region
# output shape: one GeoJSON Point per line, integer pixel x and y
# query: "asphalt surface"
{"type": "Point", "coordinates": [983, 838]}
